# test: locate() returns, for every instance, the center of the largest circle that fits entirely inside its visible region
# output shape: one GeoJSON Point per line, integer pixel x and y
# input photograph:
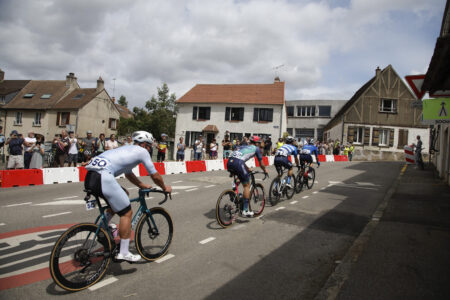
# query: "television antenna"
{"type": "Point", "coordinates": [276, 68]}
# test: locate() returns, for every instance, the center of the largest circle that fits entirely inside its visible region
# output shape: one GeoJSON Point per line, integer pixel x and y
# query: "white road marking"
{"type": "Point", "coordinates": [280, 208]}
{"type": "Point", "coordinates": [304, 197]}
{"type": "Point", "coordinates": [207, 240]}
{"type": "Point", "coordinates": [2, 224]}
{"type": "Point", "coordinates": [164, 258]}
{"type": "Point", "coordinates": [18, 204]}
{"type": "Point", "coordinates": [132, 188]}
{"type": "Point", "coordinates": [63, 198]}
{"type": "Point", "coordinates": [316, 181]}
{"type": "Point", "coordinates": [194, 189]}
{"type": "Point", "coordinates": [240, 226]}
{"type": "Point", "coordinates": [335, 182]}
{"type": "Point", "coordinates": [177, 181]}
{"type": "Point", "coordinates": [102, 283]}
{"type": "Point", "coordinates": [259, 217]}
{"type": "Point", "coordinates": [208, 186]}
{"type": "Point", "coordinates": [323, 188]}
{"type": "Point", "coordinates": [62, 202]}
{"type": "Point", "coordinates": [183, 187]}
{"type": "Point", "coordinates": [175, 193]}
{"type": "Point", "coordinates": [315, 192]}
{"type": "Point", "coordinates": [366, 183]}
{"type": "Point", "coordinates": [35, 247]}
{"type": "Point", "coordinates": [293, 202]}
{"type": "Point", "coordinates": [59, 214]}
{"type": "Point", "coordinates": [148, 198]}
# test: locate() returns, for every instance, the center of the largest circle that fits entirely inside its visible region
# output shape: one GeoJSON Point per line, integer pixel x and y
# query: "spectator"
{"type": "Point", "coordinates": [88, 146]}
{"type": "Point", "coordinates": [62, 148]}
{"type": "Point", "coordinates": [111, 143]}
{"type": "Point", "coordinates": [73, 149]}
{"type": "Point", "coordinates": [28, 142]}
{"type": "Point", "coordinates": [15, 143]}
{"type": "Point", "coordinates": [244, 141]}
{"type": "Point", "coordinates": [337, 147]}
{"type": "Point", "coordinates": [129, 141]}
{"type": "Point", "coordinates": [213, 149]}
{"type": "Point", "coordinates": [198, 148]}
{"type": "Point", "coordinates": [2, 139]}
{"type": "Point", "coordinates": [227, 146]}
{"type": "Point", "coordinates": [267, 146]}
{"type": "Point", "coordinates": [99, 144]}
{"type": "Point", "coordinates": [38, 154]}
{"type": "Point", "coordinates": [350, 152]}
{"type": "Point", "coordinates": [180, 150]}
{"type": "Point", "coordinates": [162, 147]}
{"type": "Point", "coordinates": [280, 143]}
{"type": "Point", "coordinates": [418, 153]}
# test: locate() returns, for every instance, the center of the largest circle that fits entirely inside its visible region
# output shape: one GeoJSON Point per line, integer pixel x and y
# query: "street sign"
{"type": "Point", "coordinates": [438, 94]}
{"type": "Point", "coordinates": [436, 109]}
{"type": "Point", "coordinates": [416, 82]}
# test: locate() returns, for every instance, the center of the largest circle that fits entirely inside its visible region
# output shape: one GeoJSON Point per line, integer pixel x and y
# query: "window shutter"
{"type": "Point", "coordinates": [366, 136]}
{"type": "Point", "coordinates": [194, 113]}
{"type": "Point", "coordinates": [405, 137]}
{"type": "Point", "coordinates": [376, 136]}
{"type": "Point", "coordinates": [391, 137]}
{"type": "Point", "coordinates": [401, 133]}
{"type": "Point", "coordinates": [109, 123]}
{"type": "Point", "coordinates": [227, 113]}
{"type": "Point", "coordinates": [255, 114]}
{"type": "Point", "coordinates": [58, 117]}
{"type": "Point", "coordinates": [68, 118]}
{"type": "Point", "coordinates": [208, 113]}
{"type": "Point", "coordinates": [351, 134]}
{"type": "Point", "coordinates": [394, 105]}
{"type": "Point", "coordinates": [270, 117]}
{"type": "Point", "coordinates": [241, 114]}
{"type": "Point", "coordinates": [187, 138]}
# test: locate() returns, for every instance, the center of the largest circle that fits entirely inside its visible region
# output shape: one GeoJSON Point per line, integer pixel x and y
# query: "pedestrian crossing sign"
{"type": "Point", "coordinates": [436, 109]}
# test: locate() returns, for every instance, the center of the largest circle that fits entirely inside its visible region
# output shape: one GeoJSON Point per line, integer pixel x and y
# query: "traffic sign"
{"type": "Point", "coordinates": [436, 109]}
{"type": "Point", "coordinates": [416, 82]}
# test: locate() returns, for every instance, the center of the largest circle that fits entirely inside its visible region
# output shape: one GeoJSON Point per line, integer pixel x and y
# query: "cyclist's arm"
{"type": "Point", "coordinates": [134, 180]}
{"type": "Point", "coordinates": [157, 179]}
{"type": "Point", "coordinates": [260, 159]}
{"type": "Point", "coordinates": [317, 157]}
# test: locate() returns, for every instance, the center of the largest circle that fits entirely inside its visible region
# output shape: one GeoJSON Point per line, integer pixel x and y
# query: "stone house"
{"type": "Point", "coordinates": [379, 119]}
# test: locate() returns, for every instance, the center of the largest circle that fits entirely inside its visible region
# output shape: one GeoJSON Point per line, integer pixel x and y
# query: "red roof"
{"type": "Point", "coordinates": [235, 93]}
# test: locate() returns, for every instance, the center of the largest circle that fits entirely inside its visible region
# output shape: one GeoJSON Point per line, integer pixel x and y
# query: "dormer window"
{"type": "Point", "coordinates": [78, 96]}
{"type": "Point", "coordinates": [46, 96]}
{"type": "Point", "coordinates": [388, 105]}
{"type": "Point", "coordinates": [29, 95]}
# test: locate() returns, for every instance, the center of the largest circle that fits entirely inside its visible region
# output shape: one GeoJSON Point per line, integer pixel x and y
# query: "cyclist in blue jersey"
{"type": "Point", "coordinates": [306, 152]}
{"type": "Point", "coordinates": [281, 158]}
{"type": "Point", "coordinates": [236, 165]}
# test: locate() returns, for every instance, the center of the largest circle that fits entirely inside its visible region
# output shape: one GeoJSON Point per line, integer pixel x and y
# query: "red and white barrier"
{"type": "Point", "coordinates": [409, 155]}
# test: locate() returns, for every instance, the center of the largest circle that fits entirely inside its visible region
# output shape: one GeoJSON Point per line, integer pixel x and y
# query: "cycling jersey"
{"type": "Point", "coordinates": [310, 149]}
{"type": "Point", "coordinates": [286, 150]}
{"type": "Point", "coordinates": [246, 152]}
{"type": "Point", "coordinates": [236, 163]}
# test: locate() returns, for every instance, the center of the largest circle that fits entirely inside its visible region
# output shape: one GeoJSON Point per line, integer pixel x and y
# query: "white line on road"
{"type": "Point", "coordinates": [280, 208]}
{"type": "Point", "coordinates": [323, 188]}
{"type": "Point", "coordinates": [177, 181]}
{"type": "Point", "coordinates": [335, 182]}
{"type": "Point", "coordinates": [240, 226]}
{"type": "Point", "coordinates": [259, 217]}
{"type": "Point", "coordinates": [164, 258]}
{"type": "Point", "coordinates": [293, 202]}
{"type": "Point", "coordinates": [18, 204]}
{"type": "Point", "coordinates": [2, 224]}
{"type": "Point", "coordinates": [208, 186]}
{"type": "Point", "coordinates": [62, 202]}
{"type": "Point", "coordinates": [194, 189]}
{"type": "Point", "coordinates": [103, 283]}
{"type": "Point", "coordinates": [316, 181]}
{"type": "Point", "coordinates": [304, 197]}
{"type": "Point", "coordinates": [315, 192]}
{"type": "Point", "coordinates": [59, 214]}
{"type": "Point", "coordinates": [63, 198]}
{"type": "Point", "coordinates": [175, 193]}
{"type": "Point", "coordinates": [207, 240]}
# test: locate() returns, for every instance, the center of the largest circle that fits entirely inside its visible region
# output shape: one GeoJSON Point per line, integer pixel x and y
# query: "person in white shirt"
{"type": "Point", "coordinates": [29, 142]}
{"type": "Point", "coordinates": [73, 150]}
{"type": "Point", "coordinates": [198, 148]}
{"type": "Point", "coordinates": [111, 143]}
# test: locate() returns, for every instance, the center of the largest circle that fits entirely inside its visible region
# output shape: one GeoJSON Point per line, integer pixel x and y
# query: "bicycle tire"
{"type": "Point", "coordinates": [257, 199]}
{"type": "Point", "coordinates": [299, 182]}
{"type": "Point", "coordinates": [227, 208]}
{"type": "Point", "coordinates": [290, 191]}
{"type": "Point", "coordinates": [274, 192]}
{"type": "Point", "coordinates": [311, 178]}
{"type": "Point", "coordinates": [145, 228]}
{"type": "Point", "coordinates": [68, 266]}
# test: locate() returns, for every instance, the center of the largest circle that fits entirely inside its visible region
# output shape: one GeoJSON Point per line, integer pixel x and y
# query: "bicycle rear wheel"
{"type": "Point", "coordinates": [275, 191]}
{"type": "Point", "coordinates": [80, 257]}
{"type": "Point", "coordinates": [227, 208]}
{"type": "Point", "coordinates": [311, 177]}
{"type": "Point", "coordinates": [299, 182]}
{"type": "Point", "coordinates": [154, 234]}
{"type": "Point", "coordinates": [290, 191]}
{"type": "Point", "coordinates": [257, 199]}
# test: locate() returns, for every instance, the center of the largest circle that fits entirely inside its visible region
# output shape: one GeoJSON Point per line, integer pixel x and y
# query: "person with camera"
{"type": "Point", "coordinates": [37, 154]}
{"type": "Point", "coordinates": [15, 143]}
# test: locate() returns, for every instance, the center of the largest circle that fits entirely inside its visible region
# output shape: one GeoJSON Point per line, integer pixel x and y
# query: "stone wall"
{"type": "Point", "coordinates": [376, 155]}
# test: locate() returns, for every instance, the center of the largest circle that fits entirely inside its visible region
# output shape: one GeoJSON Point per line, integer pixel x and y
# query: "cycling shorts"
{"type": "Point", "coordinates": [305, 158]}
{"type": "Point", "coordinates": [282, 161]}
{"type": "Point", "coordinates": [237, 167]}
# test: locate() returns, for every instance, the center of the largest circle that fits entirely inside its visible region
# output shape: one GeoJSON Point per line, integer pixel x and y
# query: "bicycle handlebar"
{"type": "Point", "coordinates": [147, 192]}
{"type": "Point", "coordinates": [259, 172]}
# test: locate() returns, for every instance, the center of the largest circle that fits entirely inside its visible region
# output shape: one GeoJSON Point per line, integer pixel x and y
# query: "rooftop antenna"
{"type": "Point", "coordinates": [276, 68]}
{"type": "Point", "coordinates": [114, 86]}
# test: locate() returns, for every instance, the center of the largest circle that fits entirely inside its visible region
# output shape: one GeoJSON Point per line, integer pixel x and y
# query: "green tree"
{"type": "Point", "coordinates": [162, 109]}
{"type": "Point", "coordinates": [123, 101]}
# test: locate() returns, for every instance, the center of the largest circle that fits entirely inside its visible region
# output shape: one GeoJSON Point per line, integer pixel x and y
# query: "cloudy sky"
{"type": "Point", "coordinates": [326, 48]}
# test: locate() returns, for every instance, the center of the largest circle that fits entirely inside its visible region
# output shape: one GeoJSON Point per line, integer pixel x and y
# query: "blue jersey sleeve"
{"type": "Point", "coordinates": [258, 154]}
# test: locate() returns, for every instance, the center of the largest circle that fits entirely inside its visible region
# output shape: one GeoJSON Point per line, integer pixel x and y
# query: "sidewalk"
{"type": "Point", "coordinates": [407, 255]}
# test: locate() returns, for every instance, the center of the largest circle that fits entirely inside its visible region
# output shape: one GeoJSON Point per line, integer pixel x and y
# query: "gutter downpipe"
{"type": "Point", "coordinates": [281, 120]}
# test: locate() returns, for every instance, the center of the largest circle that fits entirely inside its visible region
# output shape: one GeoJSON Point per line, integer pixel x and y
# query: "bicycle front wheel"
{"type": "Point", "coordinates": [275, 191]}
{"type": "Point", "coordinates": [80, 257]}
{"type": "Point", "coordinates": [290, 191]}
{"type": "Point", "coordinates": [257, 199]}
{"type": "Point", "coordinates": [227, 208]}
{"type": "Point", "coordinates": [311, 177]}
{"type": "Point", "coordinates": [154, 234]}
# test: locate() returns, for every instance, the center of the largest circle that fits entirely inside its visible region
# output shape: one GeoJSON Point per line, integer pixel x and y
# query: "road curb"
{"type": "Point", "coordinates": [341, 273]}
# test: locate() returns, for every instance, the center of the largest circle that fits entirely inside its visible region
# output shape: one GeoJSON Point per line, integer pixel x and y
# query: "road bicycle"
{"type": "Point", "coordinates": [231, 203]}
{"type": "Point", "coordinates": [82, 254]}
{"type": "Point", "coordinates": [280, 187]}
{"type": "Point", "coordinates": [306, 175]}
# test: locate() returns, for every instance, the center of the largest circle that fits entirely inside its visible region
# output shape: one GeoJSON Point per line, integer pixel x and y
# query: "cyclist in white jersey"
{"type": "Point", "coordinates": [101, 180]}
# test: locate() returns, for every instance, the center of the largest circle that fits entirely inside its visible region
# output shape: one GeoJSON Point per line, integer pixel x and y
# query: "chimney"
{"type": "Point", "coordinates": [100, 84]}
{"type": "Point", "coordinates": [377, 72]}
{"type": "Point", "coordinates": [277, 79]}
{"type": "Point", "coordinates": [113, 99]}
{"type": "Point", "coordinates": [71, 80]}
{"type": "Point", "coordinates": [2, 75]}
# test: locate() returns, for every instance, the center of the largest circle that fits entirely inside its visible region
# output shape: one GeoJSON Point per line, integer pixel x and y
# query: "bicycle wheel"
{"type": "Point", "coordinates": [290, 191]}
{"type": "Point", "coordinates": [299, 182]}
{"type": "Point", "coordinates": [275, 191]}
{"type": "Point", "coordinates": [80, 257]}
{"type": "Point", "coordinates": [311, 177]}
{"type": "Point", "coordinates": [257, 199]}
{"type": "Point", "coordinates": [154, 234]}
{"type": "Point", "coordinates": [227, 208]}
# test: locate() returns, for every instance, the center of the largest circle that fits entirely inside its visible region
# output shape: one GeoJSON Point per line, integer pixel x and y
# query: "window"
{"type": "Point", "coordinates": [384, 137]}
{"type": "Point", "coordinates": [236, 136]}
{"type": "Point", "coordinates": [290, 111]}
{"type": "Point", "coordinates": [359, 135]}
{"type": "Point", "coordinates": [78, 97]}
{"type": "Point", "coordinates": [402, 138]}
{"type": "Point", "coordinates": [306, 111]}
{"type": "Point", "coordinates": [388, 105]}
{"type": "Point", "coordinates": [46, 96]}
{"type": "Point", "coordinates": [29, 95]}
{"type": "Point", "coordinates": [2, 99]}
{"type": "Point", "coordinates": [324, 111]}
{"type": "Point", "coordinates": [290, 131]}
{"type": "Point", "coordinates": [234, 114]}
{"type": "Point", "coordinates": [63, 118]}
{"type": "Point", "coordinates": [263, 114]}
{"type": "Point", "coordinates": [320, 134]}
{"type": "Point", "coordinates": [190, 138]}
{"type": "Point", "coordinates": [37, 119]}
{"type": "Point", "coordinates": [304, 133]}
{"type": "Point", "coordinates": [201, 113]}
{"type": "Point", "coordinates": [18, 120]}
{"type": "Point", "coordinates": [112, 123]}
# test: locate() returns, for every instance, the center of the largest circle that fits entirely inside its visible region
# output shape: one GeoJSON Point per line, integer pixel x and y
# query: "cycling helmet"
{"type": "Point", "coordinates": [142, 136]}
{"type": "Point", "coordinates": [311, 141]}
{"type": "Point", "coordinates": [289, 139]}
{"type": "Point", "coordinates": [255, 139]}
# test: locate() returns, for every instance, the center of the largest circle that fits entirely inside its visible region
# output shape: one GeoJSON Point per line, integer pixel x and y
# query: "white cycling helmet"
{"type": "Point", "coordinates": [142, 136]}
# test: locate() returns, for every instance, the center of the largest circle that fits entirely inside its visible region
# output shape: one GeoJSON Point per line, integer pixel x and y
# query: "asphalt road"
{"type": "Point", "coordinates": [288, 253]}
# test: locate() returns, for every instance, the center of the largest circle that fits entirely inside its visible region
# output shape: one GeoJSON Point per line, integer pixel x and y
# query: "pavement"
{"type": "Point", "coordinates": [404, 251]}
